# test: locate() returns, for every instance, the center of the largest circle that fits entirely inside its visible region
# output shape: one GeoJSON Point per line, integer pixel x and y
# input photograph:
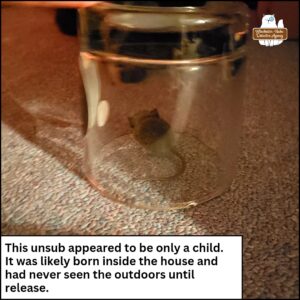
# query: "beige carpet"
{"type": "Point", "coordinates": [43, 191]}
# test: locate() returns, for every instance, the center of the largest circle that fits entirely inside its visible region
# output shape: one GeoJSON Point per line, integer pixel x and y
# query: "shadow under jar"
{"type": "Point", "coordinates": [164, 89]}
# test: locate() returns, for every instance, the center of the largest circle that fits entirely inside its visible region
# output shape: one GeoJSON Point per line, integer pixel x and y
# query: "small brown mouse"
{"type": "Point", "coordinates": [155, 135]}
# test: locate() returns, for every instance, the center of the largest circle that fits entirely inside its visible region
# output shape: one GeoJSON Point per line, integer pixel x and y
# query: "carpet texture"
{"type": "Point", "coordinates": [43, 190]}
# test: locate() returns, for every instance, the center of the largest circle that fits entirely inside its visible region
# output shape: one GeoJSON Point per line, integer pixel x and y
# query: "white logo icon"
{"type": "Point", "coordinates": [269, 21]}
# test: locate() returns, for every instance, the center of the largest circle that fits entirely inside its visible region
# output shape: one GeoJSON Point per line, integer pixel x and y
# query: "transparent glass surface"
{"type": "Point", "coordinates": [164, 89]}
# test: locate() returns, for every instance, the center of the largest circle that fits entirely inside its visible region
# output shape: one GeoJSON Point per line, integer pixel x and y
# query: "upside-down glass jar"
{"type": "Point", "coordinates": [164, 89]}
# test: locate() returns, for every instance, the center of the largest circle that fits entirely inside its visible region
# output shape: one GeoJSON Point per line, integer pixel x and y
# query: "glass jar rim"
{"type": "Point", "coordinates": [231, 7]}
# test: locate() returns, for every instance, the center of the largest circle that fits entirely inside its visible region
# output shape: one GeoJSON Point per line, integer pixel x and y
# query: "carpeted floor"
{"type": "Point", "coordinates": [43, 191]}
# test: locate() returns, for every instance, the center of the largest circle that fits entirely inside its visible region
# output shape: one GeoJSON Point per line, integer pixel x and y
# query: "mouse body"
{"type": "Point", "coordinates": [155, 135]}
{"type": "Point", "coordinates": [151, 131]}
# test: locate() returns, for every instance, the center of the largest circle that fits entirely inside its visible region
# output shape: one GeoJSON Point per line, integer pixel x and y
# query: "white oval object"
{"type": "Point", "coordinates": [102, 113]}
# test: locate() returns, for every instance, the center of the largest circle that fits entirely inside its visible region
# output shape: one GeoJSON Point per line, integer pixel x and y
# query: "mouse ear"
{"type": "Point", "coordinates": [154, 113]}
{"type": "Point", "coordinates": [130, 122]}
